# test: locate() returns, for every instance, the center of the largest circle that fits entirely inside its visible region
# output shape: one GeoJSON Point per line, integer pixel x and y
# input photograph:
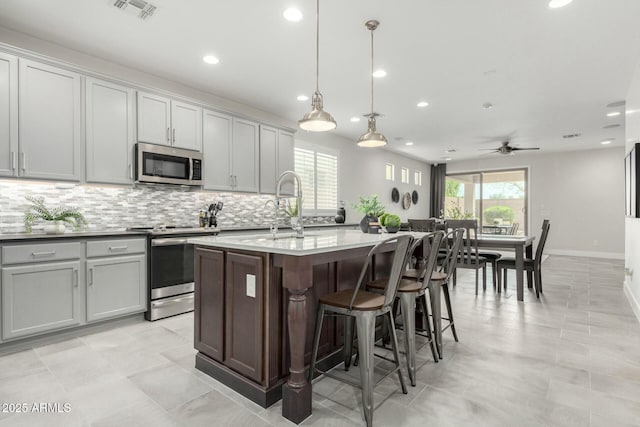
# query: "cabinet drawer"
{"type": "Point", "coordinates": [115, 247]}
{"type": "Point", "coordinates": [20, 254]}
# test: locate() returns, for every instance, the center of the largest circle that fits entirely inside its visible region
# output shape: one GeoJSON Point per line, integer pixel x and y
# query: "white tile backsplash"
{"type": "Point", "coordinates": [117, 207]}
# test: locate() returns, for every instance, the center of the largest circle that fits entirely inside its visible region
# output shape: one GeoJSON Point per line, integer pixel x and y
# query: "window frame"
{"type": "Point", "coordinates": [327, 151]}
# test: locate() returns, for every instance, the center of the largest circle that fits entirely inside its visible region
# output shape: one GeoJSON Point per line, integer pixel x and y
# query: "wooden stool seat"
{"type": "Point", "coordinates": [364, 300]}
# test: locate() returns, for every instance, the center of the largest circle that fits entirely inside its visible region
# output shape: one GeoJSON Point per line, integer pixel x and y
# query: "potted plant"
{"type": "Point", "coordinates": [390, 222]}
{"type": "Point", "coordinates": [55, 218]}
{"type": "Point", "coordinates": [371, 208]}
{"type": "Point", "coordinates": [292, 212]}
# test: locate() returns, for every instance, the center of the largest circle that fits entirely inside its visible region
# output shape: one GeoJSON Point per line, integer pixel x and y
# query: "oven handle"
{"type": "Point", "coordinates": [168, 242]}
{"type": "Point", "coordinates": [159, 303]}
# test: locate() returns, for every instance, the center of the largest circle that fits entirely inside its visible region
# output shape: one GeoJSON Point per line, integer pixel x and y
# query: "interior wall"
{"type": "Point", "coordinates": [362, 173]}
{"type": "Point", "coordinates": [632, 225]}
{"type": "Point", "coordinates": [580, 192]}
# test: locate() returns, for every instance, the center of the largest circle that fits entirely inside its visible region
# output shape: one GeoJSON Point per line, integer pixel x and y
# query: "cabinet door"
{"type": "Point", "coordinates": [39, 297]}
{"type": "Point", "coordinates": [286, 159]}
{"type": "Point", "coordinates": [216, 151]}
{"type": "Point", "coordinates": [186, 120]}
{"type": "Point", "coordinates": [8, 115]}
{"type": "Point", "coordinates": [268, 159]}
{"type": "Point", "coordinates": [110, 132]}
{"type": "Point", "coordinates": [245, 162]}
{"type": "Point", "coordinates": [244, 302]}
{"type": "Point", "coordinates": [154, 125]}
{"type": "Point", "coordinates": [116, 286]}
{"type": "Point", "coordinates": [209, 303]}
{"type": "Point", "coordinates": [49, 122]}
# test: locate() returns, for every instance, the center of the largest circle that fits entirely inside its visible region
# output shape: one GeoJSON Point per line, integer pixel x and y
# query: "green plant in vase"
{"type": "Point", "coordinates": [56, 217]}
{"type": "Point", "coordinates": [292, 212]}
{"type": "Point", "coordinates": [371, 208]}
{"type": "Point", "coordinates": [390, 222]}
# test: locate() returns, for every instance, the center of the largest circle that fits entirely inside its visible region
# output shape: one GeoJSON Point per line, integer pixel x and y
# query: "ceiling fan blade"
{"type": "Point", "coordinates": [518, 149]}
{"type": "Point", "coordinates": [487, 149]}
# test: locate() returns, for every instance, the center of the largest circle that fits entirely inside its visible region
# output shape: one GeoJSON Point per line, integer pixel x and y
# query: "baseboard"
{"type": "Point", "coordinates": [588, 254]}
{"type": "Point", "coordinates": [635, 304]}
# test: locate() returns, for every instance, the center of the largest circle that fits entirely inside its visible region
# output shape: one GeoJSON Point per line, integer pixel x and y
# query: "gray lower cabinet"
{"type": "Point", "coordinates": [116, 286]}
{"type": "Point", "coordinates": [40, 297]}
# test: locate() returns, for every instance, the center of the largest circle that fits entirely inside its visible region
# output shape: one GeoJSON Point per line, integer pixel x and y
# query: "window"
{"type": "Point", "coordinates": [405, 175]}
{"type": "Point", "coordinates": [417, 178]}
{"type": "Point", "coordinates": [390, 171]}
{"type": "Point", "coordinates": [318, 171]}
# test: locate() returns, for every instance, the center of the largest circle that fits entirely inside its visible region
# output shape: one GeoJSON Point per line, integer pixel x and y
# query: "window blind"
{"type": "Point", "coordinates": [318, 172]}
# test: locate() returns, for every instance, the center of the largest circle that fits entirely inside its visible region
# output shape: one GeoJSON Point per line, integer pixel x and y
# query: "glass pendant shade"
{"type": "Point", "coordinates": [317, 120]}
{"type": "Point", "coordinates": [372, 138]}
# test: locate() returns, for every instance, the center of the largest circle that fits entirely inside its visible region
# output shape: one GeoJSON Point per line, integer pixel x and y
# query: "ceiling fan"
{"type": "Point", "coordinates": [505, 148]}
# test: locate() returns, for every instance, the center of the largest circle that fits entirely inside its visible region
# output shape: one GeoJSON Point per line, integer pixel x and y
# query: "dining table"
{"type": "Point", "coordinates": [522, 245]}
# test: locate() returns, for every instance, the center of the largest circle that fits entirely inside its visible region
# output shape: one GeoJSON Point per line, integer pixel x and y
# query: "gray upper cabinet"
{"type": "Point", "coordinates": [168, 122]}
{"type": "Point", "coordinates": [216, 150]}
{"type": "Point", "coordinates": [230, 147]}
{"type": "Point", "coordinates": [40, 297]}
{"type": "Point", "coordinates": [245, 155]}
{"type": "Point", "coordinates": [49, 122]}
{"type": "Point", "coordinates": [8, 115]}
{"type": "Point", "coordinates": [110, 132]}
{"type": "Point", "coordinates": [276, 156]}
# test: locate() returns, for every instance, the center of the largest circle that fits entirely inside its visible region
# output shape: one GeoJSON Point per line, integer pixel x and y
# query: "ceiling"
{"type": "Point", "coordinates": [547, 72]}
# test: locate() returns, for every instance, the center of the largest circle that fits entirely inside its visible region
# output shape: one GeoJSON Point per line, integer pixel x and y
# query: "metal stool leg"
{"type": "Point", "coordinates": [394, 346]}
{"type": "Point", "coordinates": [348, 341]}
{"type": "Point", "coordinates": [436, 311]}
{"type": "Point", "coordinates": [425, 310]}
{"type": "Point", "coordinates": [365, 326]}
{"type": "Point", "coordinates": [316, 341]}
{"type": "Point", "coordinates": [408, 307]}
{"type": "Point", "coordinates": [447, 301]}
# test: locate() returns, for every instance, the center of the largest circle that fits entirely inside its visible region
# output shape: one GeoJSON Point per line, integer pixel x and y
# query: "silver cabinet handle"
{"type": "Point", "coordinates": [24, 161]}
{"type": "Point", "coordinates": [168, 242]}
{"type": "Point", "coordinates": [130, 171]}
{"type": "Point", "coordinates": [235, 180]}
{"type": "Point", "coordinates": [118, 248]}
{"type": "Point", "coordinates": [40, 254]}
{"type": "Point", "coordinates": [13, 160]}
{"type": "Point", "coordinates": [174, 136]}
{"type": "Point", "coordinates": [91, 276]}
{"type": "Point", "coordinates": [230, 180]}
{"type": "Point", "coordinates": [169, 136]}
{"type": "Point", "coordinates": [75, 277]}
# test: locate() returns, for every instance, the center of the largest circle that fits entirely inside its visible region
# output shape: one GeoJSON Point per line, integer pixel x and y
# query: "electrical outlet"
{"type": "Point", "coordinates": [251, 285]}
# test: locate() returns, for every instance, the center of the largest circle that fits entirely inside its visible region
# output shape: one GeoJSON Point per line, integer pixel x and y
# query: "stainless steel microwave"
{"type": "Point", "coordinates": [167, 165]}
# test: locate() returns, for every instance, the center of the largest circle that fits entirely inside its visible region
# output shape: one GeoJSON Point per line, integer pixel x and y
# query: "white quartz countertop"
{"type": "Point", "coordinates": [314, 241]}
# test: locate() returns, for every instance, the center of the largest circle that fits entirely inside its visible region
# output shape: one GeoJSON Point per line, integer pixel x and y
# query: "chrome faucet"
{"type": "Point", "coordinates": [298, 227]}
{"type": "Point", "coordinates": [274, 225]}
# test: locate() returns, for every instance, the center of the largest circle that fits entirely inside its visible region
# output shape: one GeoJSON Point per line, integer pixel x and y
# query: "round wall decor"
{"type": "Point", "coordinates": [395, 195]}
{"type": "Point", "coordinates": [414, 197]}
{"type": "Point", "coordinates": [406, 200]}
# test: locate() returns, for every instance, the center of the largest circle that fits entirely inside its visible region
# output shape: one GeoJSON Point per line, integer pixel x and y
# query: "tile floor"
{"type": "Point", "coordinates": [570, 359]}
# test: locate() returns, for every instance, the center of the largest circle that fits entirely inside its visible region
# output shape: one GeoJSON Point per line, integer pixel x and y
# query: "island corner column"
{"type": "Point", "coordinates": [297, 273]}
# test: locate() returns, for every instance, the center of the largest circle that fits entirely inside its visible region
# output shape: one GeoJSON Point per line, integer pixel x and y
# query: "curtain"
{"type": "Point", "coordinates": [438, 178]}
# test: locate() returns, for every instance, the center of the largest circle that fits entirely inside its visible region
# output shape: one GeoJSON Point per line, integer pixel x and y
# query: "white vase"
{"type": "Point", "coordinates": [54, 227]}
{"type": "Point", "coordinates": [293, 221]}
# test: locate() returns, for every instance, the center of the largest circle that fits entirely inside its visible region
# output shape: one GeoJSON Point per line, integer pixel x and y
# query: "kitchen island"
{"type": "Point", "coordinates": [255, 301]}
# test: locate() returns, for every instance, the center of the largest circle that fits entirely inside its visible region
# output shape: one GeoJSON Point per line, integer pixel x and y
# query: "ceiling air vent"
{"type": "Point", "coordinates": [610, 126]}
{"type": "Point", "coordinates": [571, 135]}
{"type": "Point", "coordinates": [146, 8]}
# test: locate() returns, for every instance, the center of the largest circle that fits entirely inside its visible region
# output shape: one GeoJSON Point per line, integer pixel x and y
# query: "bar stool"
{"type": "Point", "coordinates": [411, 289]}
{"type": "Point", "coordinates": [365, 307]}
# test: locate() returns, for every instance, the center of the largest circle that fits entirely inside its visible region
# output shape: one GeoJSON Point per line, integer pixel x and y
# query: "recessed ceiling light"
{"type": "Point", "coordinates": [445, 158]}
{"type": "Point", "coordinates": [555, 4]}
{"type": "Point", "coordinates": [487, 105]}
{"type": "Point", "coordinates": [292, 14]}
{"type": "Point", "coordinates": [408, 143]}
{"type": "Point", "coordinates": [355, 119]}
{"type": "Point", "coordinates": [632, 112]}
{"type": "Point", "coordinates": [302, 98]}
{"type": "Point", "coordinates": [613, 114]}
{"type": "Point", "coordinates": [379, 73]}
{"type": "Point", "coordinates": [423, 104]}
{"type": "Point", "coordinates": [210, 59]}
{"type": "Point", "coordinates": [607, 141]}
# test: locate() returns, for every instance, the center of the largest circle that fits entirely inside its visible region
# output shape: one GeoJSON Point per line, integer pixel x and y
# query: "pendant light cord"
{"type": "Point", "coordinates": [372, 73]}
{"type": "Point", "coordinates": [317, 45]}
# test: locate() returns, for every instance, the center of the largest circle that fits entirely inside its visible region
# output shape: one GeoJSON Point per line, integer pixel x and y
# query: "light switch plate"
{"type": "Point", "coordinates": [251, 285]}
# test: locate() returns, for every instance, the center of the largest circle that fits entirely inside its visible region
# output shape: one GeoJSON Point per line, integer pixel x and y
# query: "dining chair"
{"type": "Point", "coordinates": [422, 225]}
{"type": "Point", "coordinates": [532, 265]}
{"type": "Point", "coordinates": [469, 256]}
{"type": "Point", "coordinates": [514, 228]}
{"type": "Point", "coordinates": [365, 307]}
{"type": "Point", "coordinates": [412, 289]}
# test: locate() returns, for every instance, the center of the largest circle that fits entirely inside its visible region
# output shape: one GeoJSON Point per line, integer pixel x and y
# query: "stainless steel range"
{"type": "Point", "coordinates": [170, 269]}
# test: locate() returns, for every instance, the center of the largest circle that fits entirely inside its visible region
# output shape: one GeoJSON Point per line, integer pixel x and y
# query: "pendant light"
{"type": "Point", "coordinates": [372, 138]}
{"type": "Point", "coordinates": [317, 120]}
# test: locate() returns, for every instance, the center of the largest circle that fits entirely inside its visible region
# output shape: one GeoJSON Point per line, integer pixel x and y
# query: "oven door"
{"type": "Point", "coordinates": [171, 267]}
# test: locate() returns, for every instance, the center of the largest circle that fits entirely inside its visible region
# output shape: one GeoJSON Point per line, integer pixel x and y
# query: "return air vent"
{"type": "Point", "coordinates": [611, 126]}
{"type": "Point", "coordinates": [571, 135]}
{"type": "Point", "coordinates": [146, 8]}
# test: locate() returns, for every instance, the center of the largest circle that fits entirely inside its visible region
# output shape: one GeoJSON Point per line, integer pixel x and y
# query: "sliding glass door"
{"type": "Point", "coordinates": [498, 199]}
